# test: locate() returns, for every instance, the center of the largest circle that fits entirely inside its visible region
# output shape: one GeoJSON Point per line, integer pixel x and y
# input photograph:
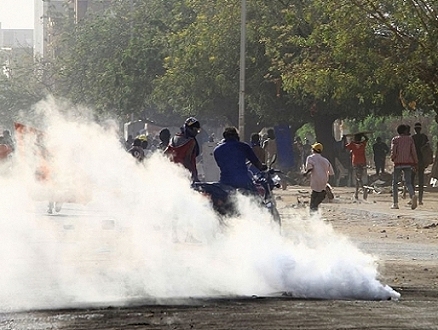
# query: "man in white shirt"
{"type": "Point", "coordinates": [319, 169]}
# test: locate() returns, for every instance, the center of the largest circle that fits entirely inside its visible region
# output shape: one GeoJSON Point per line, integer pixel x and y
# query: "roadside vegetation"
{"type": "Point", "coordinates": [307, 63]}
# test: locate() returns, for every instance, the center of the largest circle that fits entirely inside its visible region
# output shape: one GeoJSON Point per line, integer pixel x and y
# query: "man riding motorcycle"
{"type": "Point", "coordinates": [231, 156]}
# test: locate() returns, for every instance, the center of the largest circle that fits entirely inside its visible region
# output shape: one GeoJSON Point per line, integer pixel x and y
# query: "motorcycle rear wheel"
{"type": "Point", "coordinates": [276, 215]}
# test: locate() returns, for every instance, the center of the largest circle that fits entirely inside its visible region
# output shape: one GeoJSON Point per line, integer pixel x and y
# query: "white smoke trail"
{"type": "Point", "coordinates": [137, 231]}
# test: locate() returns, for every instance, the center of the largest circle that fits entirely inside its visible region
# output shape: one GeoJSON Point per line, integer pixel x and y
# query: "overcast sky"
{"type": "Point", "coordinates": [16, 14]}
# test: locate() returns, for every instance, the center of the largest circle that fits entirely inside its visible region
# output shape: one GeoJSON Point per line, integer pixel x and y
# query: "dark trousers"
{"type": "Point", "coordinates": [420, 174]}
{"type": "Point", "coordinates": [380, 166]}
{"type": "Point", "coordinates": [316, 198]}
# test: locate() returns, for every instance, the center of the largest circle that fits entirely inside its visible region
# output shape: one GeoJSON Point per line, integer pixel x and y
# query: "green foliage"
{"type": "Point", "coordinates": [307, 131]}
{"type": "Point", "coordinates": [203, 66]}
{"type": "Point", "coordinates": [305, 60]}
{"type": "Point", "coordinates": [327, 50]}
{"type": "Point", "coordinates": [410, 30]}
{"type": "Point", "coordinates": [110, 61]}
{"type": "Point", "coordinates": [20, 85]}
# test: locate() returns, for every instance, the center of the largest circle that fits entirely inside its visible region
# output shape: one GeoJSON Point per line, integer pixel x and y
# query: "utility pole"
{"type": "Point", "coordinates": [242, 70]}
{"type": "Point", "coordinates": [131, 18]}
{"type": "Point", "coordinates": [80, 8]}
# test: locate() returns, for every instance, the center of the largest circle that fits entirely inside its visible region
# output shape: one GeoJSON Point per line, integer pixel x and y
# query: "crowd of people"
{"type": "Point", "coordinates": [235, 158]}
{"type": "Point", "coordinates": [410, 153]}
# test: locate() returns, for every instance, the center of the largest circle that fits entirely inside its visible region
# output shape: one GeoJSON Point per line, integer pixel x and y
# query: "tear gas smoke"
{"type": "Point", "coordinates": [138, 232]}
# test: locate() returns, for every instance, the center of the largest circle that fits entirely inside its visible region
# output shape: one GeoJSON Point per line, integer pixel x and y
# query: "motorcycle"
{"type": "Point", "coordinates": [223, 196]}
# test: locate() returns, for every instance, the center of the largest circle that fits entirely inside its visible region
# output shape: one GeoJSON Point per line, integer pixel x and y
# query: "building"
{"type": "Point", "coordinates": [16, 38]}
{"type": "Point", "coordinates": [15, 44]}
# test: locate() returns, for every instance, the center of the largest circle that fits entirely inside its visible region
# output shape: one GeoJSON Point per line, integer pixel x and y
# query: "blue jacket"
{"type": "Point", "coordinates": [231, 156]}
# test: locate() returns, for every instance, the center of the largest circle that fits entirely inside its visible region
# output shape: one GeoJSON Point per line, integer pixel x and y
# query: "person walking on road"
{"type": "Point", "coordinates": [404, 157]}
{"type": "Point", "coordinates": [420, 140]}
{"type": "Point", "coordinates": [358, 160]}
{"type": "Point", "coordinates": [320, 169]}
{"type": "Point", "coordinates": [380, 150]}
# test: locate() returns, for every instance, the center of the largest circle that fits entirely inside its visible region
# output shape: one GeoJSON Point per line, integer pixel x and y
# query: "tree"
{"type": "Point", "coordinates": [411, 28]}
{"type": "Point", "coordinates": [110, 61]}
{"type": "Point", "coordinates": [20, 85]}
{"type": "Point", "coordinates": [330, 57]}
{"type": "Point", "coordinates": [202, 69]}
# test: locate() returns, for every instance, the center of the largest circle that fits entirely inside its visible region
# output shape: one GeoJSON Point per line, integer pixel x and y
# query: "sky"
{"type": "Point", "coordinates": [17, 14]}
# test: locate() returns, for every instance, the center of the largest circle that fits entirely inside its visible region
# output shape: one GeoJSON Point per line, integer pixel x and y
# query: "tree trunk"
{"type": "Point", "coordinates": [324, 135]}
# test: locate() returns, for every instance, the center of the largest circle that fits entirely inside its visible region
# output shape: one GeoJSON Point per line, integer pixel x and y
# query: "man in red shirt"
{"type": "Point", "coordinates": [183, 148]}
{"type": "Point", "coordinates": [358, 160]}
{"type": "Point", "coordinates": [405, 159]}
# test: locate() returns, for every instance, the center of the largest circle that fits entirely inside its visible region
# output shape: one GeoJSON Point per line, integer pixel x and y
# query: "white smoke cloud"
{"type": "Point", "coordinates": [138, 232]}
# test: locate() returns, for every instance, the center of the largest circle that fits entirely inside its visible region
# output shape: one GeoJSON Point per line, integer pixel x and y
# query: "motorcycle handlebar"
{"type": "Point", "coordinates": [272, 171]}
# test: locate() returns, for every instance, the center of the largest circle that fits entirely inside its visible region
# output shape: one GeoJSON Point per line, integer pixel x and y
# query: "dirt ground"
{"type": "Point", "coordinates": [406, 241]}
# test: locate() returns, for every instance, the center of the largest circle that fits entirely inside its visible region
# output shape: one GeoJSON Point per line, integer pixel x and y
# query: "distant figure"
{"type": "Point", "coordinates": [404, 156]}
{"type": "Point", "coordinates": [420, 140]}
{"type": "Point", "coordinates": [270, 147]}
{"type": "Point", "coordinates": [6, 147]}
{"type": "Point", "coordinates": [57, 206]}
{"type": "Point", "coordinates": [136, 150]}
{"type": "Point", "coordinates": [145, 147]}
{"type": "Point", "coordinates": [183, 148]}
{"type": "Point", "coordinates": [129, 141]}
{"type": "Point", "coordinates": [380, 150]}
{"type": "Point", "coordinates": [297, 148]}
{"type": "Point", "coordinates": [307, 150]}
{"type": "Point", "coordinates": [7, 139]}
{"type": "Point", "coordinates": [358, 160]}
{"type": "Point", "coordinates": [257, 148]}
{"type": "Point", "coordinates": [5, 151]}
{"type": "Point", "coordinates": [164, 136]}
{"type": "Point", "coordinates": [320, 169]}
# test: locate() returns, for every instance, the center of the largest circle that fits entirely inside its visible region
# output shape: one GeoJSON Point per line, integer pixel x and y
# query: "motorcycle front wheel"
{"type": "Point", "coordinates": [275, 215]}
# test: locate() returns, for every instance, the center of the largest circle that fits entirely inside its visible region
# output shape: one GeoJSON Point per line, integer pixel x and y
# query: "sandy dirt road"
{"type": "Point", "coordinates": [406, 242]}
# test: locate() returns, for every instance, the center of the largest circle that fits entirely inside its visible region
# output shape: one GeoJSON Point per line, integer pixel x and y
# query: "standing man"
{"type": "Point", "coordinates": [297, 148]}
{"type": "Point", "coordinates": [270, 147]}
{"type": "Point", "coordinates": [380, 150]}
{"type": "Point", "coordinates": [183, 148]}
{"type": "Point", "coordinates": [256, 147]}
{"type": "Point", "coordinates": [319, 168]}
{"type": "Point", "coordinates": [420, 140]}
{"type": "Point", "coordinates": [307, 151]}
{"type": "Point", "coordinates": [404, 156]}
{"type": "Point", "coordinates": [358, 160]}
{"type": "Point", "coordinates": [164, 136]}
